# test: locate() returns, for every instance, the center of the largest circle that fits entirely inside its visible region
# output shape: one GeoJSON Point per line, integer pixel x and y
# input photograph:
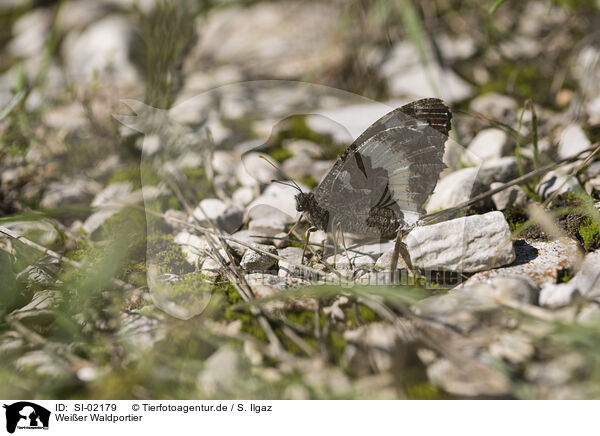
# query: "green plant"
{"type": "Point", "coordinates": [590, 234]}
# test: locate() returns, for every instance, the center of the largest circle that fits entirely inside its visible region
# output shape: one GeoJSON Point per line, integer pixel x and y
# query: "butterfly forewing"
{"type": "Point", "coordinates": [389, 171]}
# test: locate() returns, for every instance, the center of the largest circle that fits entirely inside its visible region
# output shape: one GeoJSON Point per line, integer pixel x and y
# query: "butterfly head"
{"type": "Point", "coordinates": [307, 203]}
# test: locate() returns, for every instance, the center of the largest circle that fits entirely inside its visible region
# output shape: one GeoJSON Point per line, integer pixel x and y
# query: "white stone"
{"type": "Point", "coordinates": [537, 260]}
{"type": "Point", "coordinates": [452, 190]}
{"type": "Point", "coordinates": [112, 193]}
{"type": "Point", "coordinates": [555, 181]}
{"type": "Point", "coordinates": [298, 167]}
{"type": "Point", "coordinates": [266, 226]}
{"type": "Point", "coordinates": [274, 40]}
{"type": "Point", "coordinates": [280, 197]}
{"type": "Point", "coordinates": [555, 295]}
{"type": "Point", "coordinates": [247, 237]}
{"type": "Point", "coordinates": [30, 33]}
{"type": "Point", "coordinates": [513, 196]}
{"type": "Point", "coordinates": [318, 237]}
{"type": "Point", "coordinates": [225, 162]}
{"type": "Point", "coordinates": [60, 194]}
{"type": "Point", "coordinates": [209, 210]}
{"type": "Point", "coordinates": [253, 170]}
{"type": "Point", "coordinates": [496, 106]}
{"type": "Point", "coordinates": [457, 380]}
{"type": "Point", "coordinates": [502, 169]}
{"type": "Point", "coordinates": [355, 261]}
{"type": "Point", "coordinates": [193, 247]}
{"type": "Point", "coordinates": [289, 267]}
{"type": "Point", "coordinates": [587, 279]}
{"type": "Point", "coordinates": [256, 261]}
{"type": "Point", "coordinates": [456, 306]}
{"type": "Point", "coordinates": [385, 260]}
{"type": "Point", "coordinates": [102, 48]}
{"type": "Point", "coordinates": [487, 144]}
{"type": "Point", "coordinates": [303, 146]}
{"type": "Point", "coordinates": [572, 141]}
{"type": "Point", "coordinates": [243, 196]}
{"type": "Point", "coordinates": [407, 75]}
{"type": "Point", "coordinates": [467, 244]}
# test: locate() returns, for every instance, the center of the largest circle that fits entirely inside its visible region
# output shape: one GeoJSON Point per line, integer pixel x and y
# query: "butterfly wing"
{"type": "Point", "coordinates": [390, 170]}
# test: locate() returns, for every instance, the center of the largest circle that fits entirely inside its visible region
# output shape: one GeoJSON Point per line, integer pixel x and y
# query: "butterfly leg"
{"type": "Point", "coordinates": [345, 249]}
{"type": "Point", "coordinates": [306, 238]}
{"type": "Point", "coordinates": [400, 249]}
{"type": "Point", "coordinates": [293, 227]}
{"type": "Point", "coordinates": [334, 229]}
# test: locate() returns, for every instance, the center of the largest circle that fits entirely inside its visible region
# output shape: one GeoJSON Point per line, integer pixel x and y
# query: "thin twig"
{"type": "Point", "coordinates": [437, 216]}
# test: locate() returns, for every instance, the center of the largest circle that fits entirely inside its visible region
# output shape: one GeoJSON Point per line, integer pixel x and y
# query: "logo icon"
{"type": "Point", "coordinates": [26, 415]}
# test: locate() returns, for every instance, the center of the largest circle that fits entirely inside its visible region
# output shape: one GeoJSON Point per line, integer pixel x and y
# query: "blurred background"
{"type": "Point", "coordinates": [78, 321]}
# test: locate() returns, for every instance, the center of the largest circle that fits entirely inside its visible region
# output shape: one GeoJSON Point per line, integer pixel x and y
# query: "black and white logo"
{"type": "Point", "coordinates": [26, 415]}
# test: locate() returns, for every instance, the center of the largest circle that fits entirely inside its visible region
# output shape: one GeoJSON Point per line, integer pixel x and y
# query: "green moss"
{"type": "Point", "coordinates": [520, 226]}
{"type": "Point", "coordinates": [136, 175]}
{"type": "Point", "coordinates": [168, 256]}
{"type": "Point", "coordinates": [250, 324]}
{"type": "Point", "coordinates": [295, 127]}
{"type": "Point", "coordinates": [280, 154]}
{"type": "Point", "coordinates": [81, 155]}
{"type": "Point", "coordinates": [564, 275]}
{"type": "Point", "coordinates": [590, 234]}
{"type": "Point", "coordinates": [304, 318]}
{"type": "Point", "coordinates": [83, 251]}
{"type": "Point", "coordinates": [366, 314]}
{"type": "Point", "coordinates": [309, 181]}
{"type": "Point", "coordinates": [423, 391]}
{"type": "Point", "coordinates": [523, 81]}
{"type": "Point", "coordinates": [198, 184]}
{"type": "Point", "coordinates": [337, 345]}
{"type": "Point", "coordinates": [190, 291]}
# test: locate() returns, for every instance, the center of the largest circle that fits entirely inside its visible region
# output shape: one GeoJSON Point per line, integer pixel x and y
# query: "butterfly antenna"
{"type": "Point", "coordinates": [293, 184]}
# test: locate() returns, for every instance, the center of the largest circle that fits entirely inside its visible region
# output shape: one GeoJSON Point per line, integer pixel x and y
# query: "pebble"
{"type": "Point", "coordinates": [494, 105]}
{"type": "Point", "coordinates": [406, 75]}
{"type": "Point", "coordinates": [555, 181]}
{"type": "Point", "coordinates": [248, 237]}
{"type": "Point", "coordinates": [572, 141]}
{"type": "Point", "coordinates": [288, 267]}
{"type": "Point", "coordinates": [213, 211]}
{"type": "Point", "coordinates": [60, 194]}
{"type": "Point", "coordinates": [256, 261]}
{"type": "Point", "coordinates": [281, 198]}
{"type": "Point", "coordinates": [468, 244]}
{"type": "Point", "coordinates": [298, 167]}
{"type": "Point", "coordinates": [352, 261]}
{"type": "Point", "coordinates": [456, 380]}
{"type": "Point", "coordinates": [102, 49]}
{"type": "Point", "coordinates": [266, 226]}
{"type": "Point", "coordinates": [503, 169]}
{"type": "Point", "coordinates": [487, 144]}
{"type": "Point", "coordinates": [585, 283]}
{"type": "Point", "coordinates": [513, 196]}
{"type": "Point", "coordinates": [243, 196]}
{"type": "Point", "coordinates": [193, 247]}
{"type": "Point", "coordinates": [537, 260]}
{"type": "Point", "coordinates": [453, 189]}
{"type": "Point", "coordinates": [253, 170]}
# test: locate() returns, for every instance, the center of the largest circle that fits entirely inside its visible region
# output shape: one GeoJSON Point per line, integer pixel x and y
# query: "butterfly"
{"type": "Point", "coordinates": [379, 184]}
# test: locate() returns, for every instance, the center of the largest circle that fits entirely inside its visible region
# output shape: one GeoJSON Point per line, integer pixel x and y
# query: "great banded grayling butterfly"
{"type": "Point", "coordinates": [379, 184]}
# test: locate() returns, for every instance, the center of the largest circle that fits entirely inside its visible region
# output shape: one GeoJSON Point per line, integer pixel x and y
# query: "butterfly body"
{"type": "Point", "coordinates": [379, 184]}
